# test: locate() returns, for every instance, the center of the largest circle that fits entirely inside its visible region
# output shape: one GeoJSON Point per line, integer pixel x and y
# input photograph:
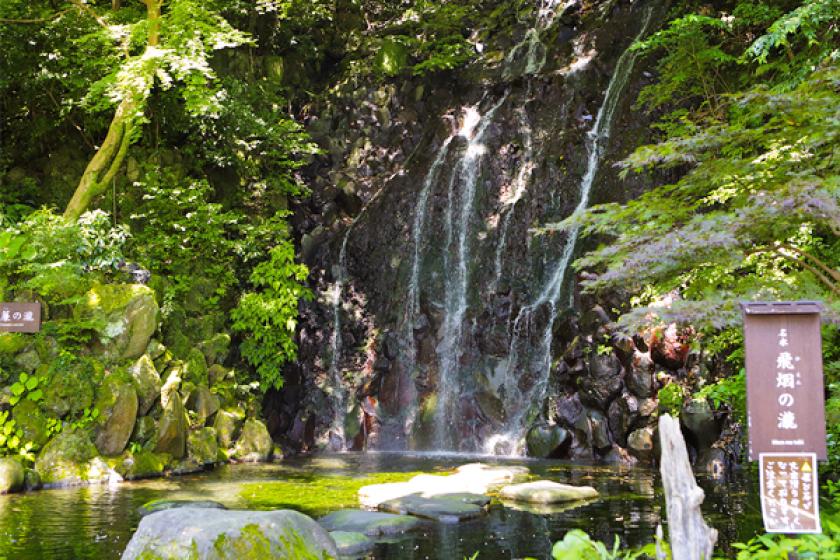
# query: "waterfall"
{"type": "Point", "coordinates": [336, 396]}
{"type": "Point", "coordinates": [520, 402]}
{"type": "Point", "coordinates": [413, 298]}
{"type": "Point", "coordinates": [518, 188]}
{"type": "Point", "coordinates": [456, 284]}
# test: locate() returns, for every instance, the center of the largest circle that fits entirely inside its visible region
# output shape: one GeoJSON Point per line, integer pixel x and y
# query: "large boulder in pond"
{"type": "Point", "coordinates": [127, 315]}
{"type": "Point", "coordinates": [70, 458]}
{"type": "Point", "coordinates": [254, 443]}
{"type": "Point", "coordinates": [117, 405]}
{"type": "Point", "coordinates": [12, 476]}
{"type": "Point", "coordinates": [146, 382]}
{"type": "Point", "coordinates": [216, 534]}
{"type": "Point", "coordinates": [172, 428]}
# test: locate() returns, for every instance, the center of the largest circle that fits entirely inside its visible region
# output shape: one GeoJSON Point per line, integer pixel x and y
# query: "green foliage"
{"type": "Point", "coordinates": [783, 547]}
{"type": "Point", "coordinates": [183, 237]}
{"type": "Point", "coordinates": [26, 387]}
{"type": "Point", "coordinates": [730, 392]}
{"type": "Point", "coordinates": [267, 316]}
{"type": "Point", "coordinates": [58, 259]}
{"type": "Point", "coordinates": [576, 544]}
{"type": "Point", "coordinates": [12, 438]}
{"type": "Point", "coordinates": [86, 420]}
{"type": "Point", "coordinates": [671, 398]}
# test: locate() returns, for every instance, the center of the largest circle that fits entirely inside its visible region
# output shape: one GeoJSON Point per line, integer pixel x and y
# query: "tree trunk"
{"type": "Point", "coordinates": [105, 163]}
{"type": "Point", "coordinates": [108, 159]}
{"type": "Point", "coordinates": [691, 538]}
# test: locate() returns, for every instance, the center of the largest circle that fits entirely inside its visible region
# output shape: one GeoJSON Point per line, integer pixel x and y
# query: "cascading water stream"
{"type": "Point", "coordinates": [519, 402]}
{"type": "Point", "coordinates": [456, 284]}
{"type": "Point", "coordinates": [337, 396]}
{"type": "Point", "coordinates": [518, 188]}
{"type": "Point", "coordinates": [413, 298]}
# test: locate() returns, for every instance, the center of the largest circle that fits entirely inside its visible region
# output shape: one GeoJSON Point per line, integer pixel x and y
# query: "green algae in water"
{"type": "Point", "coordinates": [314, 495]}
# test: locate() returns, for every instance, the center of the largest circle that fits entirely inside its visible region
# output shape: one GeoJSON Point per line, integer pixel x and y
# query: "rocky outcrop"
{"type": "Point", "coordinates": [117, 405]}
{"type": "Point", "coordinates": [254, 443]}
{"type": "Point", "coordinates": [127, 315]}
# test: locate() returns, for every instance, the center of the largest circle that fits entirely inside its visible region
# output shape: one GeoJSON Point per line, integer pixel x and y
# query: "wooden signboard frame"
{"type": "Point", "coordinates": [785, 396]}
{"type": "Point", "coordinates": [20, 317]}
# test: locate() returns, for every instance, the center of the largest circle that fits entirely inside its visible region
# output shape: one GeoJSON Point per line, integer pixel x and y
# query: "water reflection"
{"type": "Point", "coordinates": [96, 522]}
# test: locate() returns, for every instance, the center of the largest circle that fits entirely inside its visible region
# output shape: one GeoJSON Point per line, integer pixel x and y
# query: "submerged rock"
{"type": "Point", "coordinates": [547, 492]}
{"type": "Point", "coordinates": [12, 476]}
{"type": "Point", "coordinates": [228, 535]}
{"type": "Point", "coordinates": [352, 543]}
{"type": "Point", "coordinates": [449, 508]}
{"type": "Point", "coordinates": [370, 523]}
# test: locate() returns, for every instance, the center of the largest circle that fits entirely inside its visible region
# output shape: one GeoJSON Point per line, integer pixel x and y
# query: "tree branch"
{"type": "Point", "coordinates": [34, 20]}
{"type": "Point", "coordinates": [813, 270]}
{"type": "Point", "coordinates": [822, 266]}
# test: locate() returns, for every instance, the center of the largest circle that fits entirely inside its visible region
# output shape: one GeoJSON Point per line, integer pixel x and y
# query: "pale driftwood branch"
{"type": "Point", "coordinates": [691, 538]}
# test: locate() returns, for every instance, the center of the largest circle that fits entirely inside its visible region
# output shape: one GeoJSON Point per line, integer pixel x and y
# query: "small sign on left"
{"type": "Point", "coordinates": [20, 317]}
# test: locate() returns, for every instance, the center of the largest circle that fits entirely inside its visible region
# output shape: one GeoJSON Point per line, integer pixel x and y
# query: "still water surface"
{"type": "Point", "coordinates": [96, 522]}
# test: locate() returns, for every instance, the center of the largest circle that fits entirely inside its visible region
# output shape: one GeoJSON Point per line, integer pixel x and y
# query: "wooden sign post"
{"type": "Point", "coordinates": [786, 410]}
{"type": "Point", "coordinates": [20, 317]}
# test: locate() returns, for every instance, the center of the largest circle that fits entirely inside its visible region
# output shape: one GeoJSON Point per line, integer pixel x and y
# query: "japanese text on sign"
{"type": "Point", "coordinates": [789, 502]}
{"type": "Point", "coordinates": [20, 317]}
{"type": "Point", "coordinates": [785, 401]}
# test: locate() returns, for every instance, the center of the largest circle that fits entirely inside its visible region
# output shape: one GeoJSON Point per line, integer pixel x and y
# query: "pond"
{"type": "Point", "coordinates": [96, 522]}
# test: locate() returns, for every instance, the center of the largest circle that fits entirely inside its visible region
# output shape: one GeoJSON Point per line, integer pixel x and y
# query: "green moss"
{"type": "Point", "coordinates": [11, 343]}
{"type": "Point", "coordinates": [315, 496]}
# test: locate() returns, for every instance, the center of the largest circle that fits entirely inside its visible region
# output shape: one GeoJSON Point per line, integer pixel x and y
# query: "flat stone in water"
{"type": "Point", "coordinates": [446, 509]}
{"type": "Point", "coordinates": [351, 543]}
{"type": "Point", "coordinates": [545, 509]}
{"type": "Point", "coordinates": [162, 505]}
{"type": "Point", "coordinates": [547, 492]}
{"type": "Point", "coordinates": [473, 478]}
{"type": "Point", "coordinates": [370, 523]}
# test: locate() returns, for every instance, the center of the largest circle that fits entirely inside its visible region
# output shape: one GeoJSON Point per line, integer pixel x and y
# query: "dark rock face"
{"type": "Point", "coordinates": [438, 306]}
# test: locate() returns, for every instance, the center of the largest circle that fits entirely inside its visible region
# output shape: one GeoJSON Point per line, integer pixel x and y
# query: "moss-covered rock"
{"type": "Point", "coordinates": [155, 349]}
{"type": "Point", "coordinates": [145, 431]}
{"type": "Point", "coordinates": [350, 543]}
{"type": "Point", "coordinates": [32, 480]}
{"type": "Point", "coordinates": [147, 383]}
{"type": "Point", "coordinates": [195, 368]}
{"type": "Point", "coordinates": [70, 386]}
{"type": "Point", "coordinates": [66, 459]}
{"type": "Point", "coordinates": [215, 348]}
{"type": "Point", "coordinates": [117, 404]}
{"type": "Point", "coordinates": [12, 476]}
{"type": "Point", "coordinates": [217, 373]}
{"type": "Point", "coordinates": [228, 423]}
{"type": "Point", "coordinates": [11, 343]}
{"type": "Point", "coordinates": [28, 361]}
{"type": "Point", "coordinates": [203, 447]}
{"type": "Point", "coordinates": [205, 533]}
{"type": "Point", "coordinates": [172, 429]}
{"type": "Point", "coordinates": [254, 443]}
{"type": "Point", "coordinates": [31, 421]}
{"type": "Point", "coordinates": [126, 315]}
{"type": "Point", "coordinates": [142, 464]}
{"type": "Point", "coordinates": [203, 403]}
